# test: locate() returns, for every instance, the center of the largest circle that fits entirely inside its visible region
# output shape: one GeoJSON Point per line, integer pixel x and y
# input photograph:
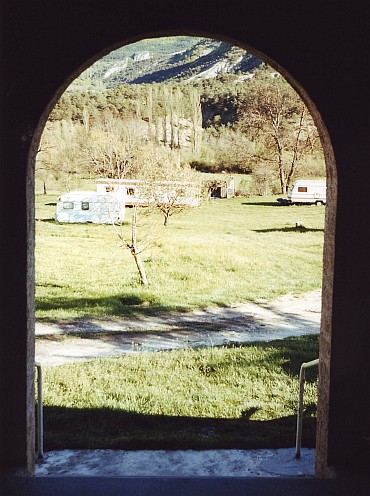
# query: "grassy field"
{"type": "Point", "coordinates": [240, 397]}
{"type": "Point", "coordinates": [226, 251]}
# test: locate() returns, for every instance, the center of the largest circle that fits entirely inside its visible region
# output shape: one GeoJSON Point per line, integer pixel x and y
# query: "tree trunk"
{"type": "Point", "coordinates": [150, 113]}
{"type": "Point", "coordinates": [196, 118]}
{"type": "Point", "coordinates": [294, 163]}
{"type": "Point", "coordinates": [281, 168]}
{"type": "Point", "coordinates": [134, 250]}
{"type": "Point", "coordinates": [141, 269]}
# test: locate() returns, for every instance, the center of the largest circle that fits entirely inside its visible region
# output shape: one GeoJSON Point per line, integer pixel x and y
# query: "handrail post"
{"type": "Point", "coordinates": [40, 420]}
{"type": "Point", "coordinates": [302, 374]}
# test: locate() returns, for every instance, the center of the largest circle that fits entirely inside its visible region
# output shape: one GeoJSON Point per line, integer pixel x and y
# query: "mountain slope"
{"type": "Point", "coordinates": [167, 59]}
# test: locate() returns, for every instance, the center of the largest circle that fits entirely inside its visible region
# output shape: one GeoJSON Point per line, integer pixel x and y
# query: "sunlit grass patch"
{"type": "Point", "coordinates": [236, 397]}
{"type": "Point", "coordinates": [226, 251]}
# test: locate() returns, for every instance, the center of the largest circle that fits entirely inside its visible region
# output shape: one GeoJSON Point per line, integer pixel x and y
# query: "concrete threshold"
{"type": "Point", "coordinates": [181, 463]}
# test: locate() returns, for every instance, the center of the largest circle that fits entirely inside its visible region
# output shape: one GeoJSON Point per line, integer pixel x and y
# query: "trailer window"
{"type": "Point", "coordinates": [85, 205]}
{"type": "Point", "coordinates": [302, 189]}
{"type": "Point", "coordinates": [67, 205]}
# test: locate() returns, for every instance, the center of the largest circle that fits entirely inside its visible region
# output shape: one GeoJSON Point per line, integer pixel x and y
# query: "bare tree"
{"type": "Point", "coordinates": [197, 119]}
{"type": "Point", "coordinates": [114, 146]}
{"type": "Point", "coordinates": [43, 166]}
{"type": "Point", "coordinates": [149, 105]}
{"type": "Point", "coordinates": [275, 118]}
{"type": "Point", "coordinates": [59, 154]}
{"type": "Point", "coordinates": [169, 186]}
{"type": "Point", "coordinates": [131, 243]}
{"type": "Point", "coordinates": [174, 196]}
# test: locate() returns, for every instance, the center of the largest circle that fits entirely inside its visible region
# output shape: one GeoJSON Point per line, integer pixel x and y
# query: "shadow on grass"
{"type": "Point", "coordinates": [291, 352]}
{"type": "Point", "coordinates": [262, 204]}
{"type": "Point", "coordinates": [288, 353]}
{"type": "Point", "coordinates": [104, 428]}
{"type": "Point", "coordinates": [115, 305]}
{"type": "Point", "coordinates": [301, 229]}
{"type": "Point", "coordinates": [112, 428]}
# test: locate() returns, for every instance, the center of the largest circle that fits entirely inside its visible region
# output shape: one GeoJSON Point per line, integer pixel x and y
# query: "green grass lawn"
{"type": "Point", "coordinates": [238, 397]}
{"type": "Point", "coordinates": [226, 251]}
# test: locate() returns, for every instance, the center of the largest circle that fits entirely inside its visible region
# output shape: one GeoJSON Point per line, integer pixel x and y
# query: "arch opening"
{"type": "Point", "coordinates": [331, 202]}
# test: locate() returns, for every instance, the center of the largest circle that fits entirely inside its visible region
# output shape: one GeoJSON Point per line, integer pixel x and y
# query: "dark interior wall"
{"type": "Point", "coordinates": [325, 49]}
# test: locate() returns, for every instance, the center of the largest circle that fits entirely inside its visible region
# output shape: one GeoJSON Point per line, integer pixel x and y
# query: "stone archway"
{"type": "Point", "coordinates": [326, 49]}
{"type": "Point", "coordinates": [329, 244]}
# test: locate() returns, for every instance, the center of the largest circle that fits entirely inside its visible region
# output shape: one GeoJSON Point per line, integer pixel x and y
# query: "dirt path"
{"type": "Point", "coordinates": [286, 316]}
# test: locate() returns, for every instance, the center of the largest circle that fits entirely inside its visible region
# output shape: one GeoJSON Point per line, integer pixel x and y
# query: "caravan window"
{"type": "Point", "coordinates": [85, 205]}
{"type": "Point", "coordinates": [302, 189]}
{"type": "Point", "coordinates": [67, 205]}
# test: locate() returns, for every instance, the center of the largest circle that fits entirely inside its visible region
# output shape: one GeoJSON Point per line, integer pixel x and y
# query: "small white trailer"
{"type": "Point", "coordinates": [90, 206]}
{"type": "Point", "coordinates": [143, 194]}
{"type": "Point", "coordinates": [306, 191]}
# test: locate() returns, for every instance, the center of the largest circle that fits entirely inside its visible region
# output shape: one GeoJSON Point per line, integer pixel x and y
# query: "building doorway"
{"type": "Point", "coordinates": [329, 195]}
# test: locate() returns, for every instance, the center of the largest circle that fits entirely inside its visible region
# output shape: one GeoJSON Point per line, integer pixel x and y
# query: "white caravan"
{"type": "Point", "coordinates": [90, 206]}
{"type": "Point", "coordinates": [308, 191]}
{"type": "Point", "coordinates": [142, 194]}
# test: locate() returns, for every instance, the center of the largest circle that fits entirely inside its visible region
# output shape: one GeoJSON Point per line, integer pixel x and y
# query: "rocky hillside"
{"type": "Point", "coordinates": [164, 59]}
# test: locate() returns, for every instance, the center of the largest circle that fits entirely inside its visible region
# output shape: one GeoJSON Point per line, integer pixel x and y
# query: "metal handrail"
{"type": "Point", "coordinates": [40, 420]}
{"type": "Point", "coordinates": [302, 372]}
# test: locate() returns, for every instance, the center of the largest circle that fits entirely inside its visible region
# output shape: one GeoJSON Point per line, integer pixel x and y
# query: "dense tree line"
{"type": "Point", "coordinates": [255, 124]}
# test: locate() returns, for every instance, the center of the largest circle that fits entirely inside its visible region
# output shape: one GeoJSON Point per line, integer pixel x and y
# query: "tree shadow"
{"type": "Point", "coordinates": [105, 428]}
{"type": "Point", "coordinates": [114, 428]}
{"type": "Point", "coordinates": [289, 353]}
{"type": "Point", "coordinates": [262, 204]}
{"type": "Point", "coordinates": [295, 229]}
{"type": "Point", "coordinates": [145, 328]}
{"type": "Point", "coordinates": [115, 306]}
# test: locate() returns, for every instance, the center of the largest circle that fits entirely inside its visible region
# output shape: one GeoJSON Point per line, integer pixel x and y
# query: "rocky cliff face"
{"type": "Point", "coordinates": [146, 62]}
{"type": "Point", "coordinates": [140, 56]}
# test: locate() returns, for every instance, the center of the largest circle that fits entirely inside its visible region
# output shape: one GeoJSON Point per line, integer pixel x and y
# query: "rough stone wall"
{"type": "Point", "coordinates": [324, 54]}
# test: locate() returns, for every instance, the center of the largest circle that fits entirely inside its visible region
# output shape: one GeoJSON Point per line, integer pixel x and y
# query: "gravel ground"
{"type": "Point", "coordinates": [286, 316]}
{"type": "Point", "coordinates": [83, 340]}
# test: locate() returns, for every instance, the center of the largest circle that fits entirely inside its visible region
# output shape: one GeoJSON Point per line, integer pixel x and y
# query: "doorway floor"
{"type": "Point", "coordinates": [186, 463]}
